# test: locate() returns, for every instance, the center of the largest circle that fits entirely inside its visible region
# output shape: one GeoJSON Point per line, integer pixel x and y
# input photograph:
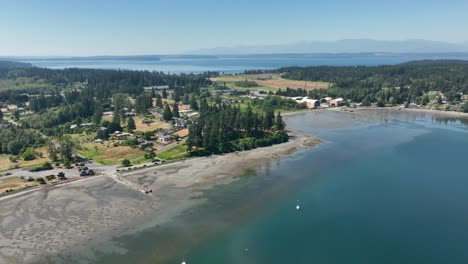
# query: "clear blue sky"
{"type": "Point", "coordinates": [115, 27]}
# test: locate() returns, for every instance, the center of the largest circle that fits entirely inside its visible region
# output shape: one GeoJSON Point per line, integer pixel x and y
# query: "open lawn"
{"type": "Point", "coordinates": [108, 154]}
{"type": "Point", "coordinates": [270, 82]}
{"type": "Point", "coordinates": [149, 127]}
{"type": "Point", "coordinates": [6, 164]}
{"type": "Point", "coordinates": [182, 133]}
{"type": "Point", "coordinates": [175, 152]}
{"type": "Point", "coordinates": [15, 184]}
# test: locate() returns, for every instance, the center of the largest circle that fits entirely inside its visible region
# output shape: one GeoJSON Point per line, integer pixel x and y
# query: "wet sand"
{"type": "Point", "coordinates": [63, 224]}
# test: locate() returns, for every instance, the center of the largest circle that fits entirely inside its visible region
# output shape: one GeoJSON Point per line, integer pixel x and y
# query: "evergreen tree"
{"type": "Point", "coordinates": [175, 111]}
{"type": "Point", "coordinates": [167, 114]}
{"type": "Point", "coordinates": [193, 103]}
{"type": "Point", "coordinates": [1, 115]}
{"type": "Point", "coordinates": [114, 126]}
{"type": "Point", "coordinates": [203, 106]}
{"type": "Point", "coordinates": [164, 94]}
{"type": "Point", "coordinates": [269, 118]}
{"type": "Point", "coordinates": [159, 102]}
{"type": "Point", "coordinates": [130, 125]}
{"type": "Point", "coordinates": [97, 116]}
{"type": "Point", "coordinates": [279, 122]}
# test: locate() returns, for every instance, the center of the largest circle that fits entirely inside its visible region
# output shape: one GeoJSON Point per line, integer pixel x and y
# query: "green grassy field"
{"type": "Point", "coordinates": [108, 155]}
{"type": "Point", "coordinates": [176, 152]}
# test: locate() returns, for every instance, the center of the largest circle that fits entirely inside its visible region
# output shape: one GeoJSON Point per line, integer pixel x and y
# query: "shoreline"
{"type": "Point", "coordinates": [60, 223]}
{"type": "Point", "coordinates": [370, 108]}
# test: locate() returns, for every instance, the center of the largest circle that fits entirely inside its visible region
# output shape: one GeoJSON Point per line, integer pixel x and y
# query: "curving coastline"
{"type": "Point", "coordinates": [64, 223]}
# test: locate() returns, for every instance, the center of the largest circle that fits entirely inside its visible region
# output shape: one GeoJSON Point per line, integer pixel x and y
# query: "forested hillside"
{"type": "Point", "coordinates": [13, 65]}
{"type": "Point", "coordinates": [394, 84]}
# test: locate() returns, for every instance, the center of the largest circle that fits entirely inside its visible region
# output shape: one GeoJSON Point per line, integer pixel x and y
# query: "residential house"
{"type": "Point", "coordinates": [326, 100]}
{"type": "Point", "coordinates": [337, 102]}
{"type": "Point", "coordinates": [165, 138]}
{"type": "Point", "coordinates": [130, 114]}
{"type": "Point", "coordinates": [146, 143]}
{"type": "Point", "coordinates": [413, 105]}
{"type": "Point", "coordinates": [179, 123]}
{"type": "Point", "coordinates": [156, 87]}
{"type": "Point", "coordinates": [86, 124]}
{"type": "Point", "coordinates": [311, 103]}
{"type": "Point", "coordinates": [147, 121]}
{"type": "Point", "coordinates": [5, 124]}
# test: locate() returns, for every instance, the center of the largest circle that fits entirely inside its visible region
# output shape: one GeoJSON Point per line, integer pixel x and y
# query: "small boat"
{"type": "Point", "coordinates": [297, 205]}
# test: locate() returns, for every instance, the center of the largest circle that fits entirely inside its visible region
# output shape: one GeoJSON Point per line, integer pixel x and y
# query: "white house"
{"type": "Point", "coordinates": [337, 102]}
{"type": "Point", "coordinates": [413, 105]}
{"type": "Point", "coordinates": [311, 103]}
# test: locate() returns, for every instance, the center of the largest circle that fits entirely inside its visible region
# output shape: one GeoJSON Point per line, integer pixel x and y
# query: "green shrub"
{"type": "Point", "coordinates": [126, 163]}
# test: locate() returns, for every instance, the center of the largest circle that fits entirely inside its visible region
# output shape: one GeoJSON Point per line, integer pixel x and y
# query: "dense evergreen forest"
{"type": "Point", "coordinates": [390, 84]}
{"type": "Point", "coordinates": [13, 65]}
{"type": "Point", "coordinates": [225, 128]}
{"type": "Point", "coordinates": [103, 83]}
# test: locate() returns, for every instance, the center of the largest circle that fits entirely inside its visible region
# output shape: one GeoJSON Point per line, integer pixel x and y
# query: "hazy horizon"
{"type": "Point", "coordinates": [120, 28]}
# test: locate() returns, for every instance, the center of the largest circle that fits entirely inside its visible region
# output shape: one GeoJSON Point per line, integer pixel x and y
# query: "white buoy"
{"type": "Point", "coordinates": [183, 262]}
{"type": "Point", "coordinates": [297, 205]}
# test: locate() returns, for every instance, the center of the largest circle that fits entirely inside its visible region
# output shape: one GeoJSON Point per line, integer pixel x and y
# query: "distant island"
{"type": "Point", "coordinates": [13, 65]}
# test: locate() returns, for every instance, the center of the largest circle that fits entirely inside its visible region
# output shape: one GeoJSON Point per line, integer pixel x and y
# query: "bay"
{"type": "Point", "coordinates": [232, 64]}
{"type": "Point", "coordinates": [383, 187]}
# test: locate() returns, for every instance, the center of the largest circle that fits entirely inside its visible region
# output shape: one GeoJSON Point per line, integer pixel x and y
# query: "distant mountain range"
{"type": "Point", "coordinates": [344, 46]}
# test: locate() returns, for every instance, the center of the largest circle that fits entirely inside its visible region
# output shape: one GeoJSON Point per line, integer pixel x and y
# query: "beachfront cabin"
{"type": "Point", "coordinates": [413, 105]}
{"type": "Point", "coordinates": [73, 126]}
{"type": "Point", "coordinates": [337, 102]}
{"type": "Point", "coordinates": [326, 100]}
{"type": "Point", "coordinates": [311, 103]}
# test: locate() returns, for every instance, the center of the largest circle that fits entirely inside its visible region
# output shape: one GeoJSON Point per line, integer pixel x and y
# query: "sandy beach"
{"type": "Point", "coordinates": [50, 224]}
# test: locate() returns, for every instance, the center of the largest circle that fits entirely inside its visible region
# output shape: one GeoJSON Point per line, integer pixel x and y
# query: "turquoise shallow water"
{"type": "Point", "coordinates": [380, 189]}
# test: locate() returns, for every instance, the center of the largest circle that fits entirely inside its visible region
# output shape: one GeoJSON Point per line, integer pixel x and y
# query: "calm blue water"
{"type": "Point", "coordinates": [227, 64]}
{"type": "Point", "coordinates": [382, 188]}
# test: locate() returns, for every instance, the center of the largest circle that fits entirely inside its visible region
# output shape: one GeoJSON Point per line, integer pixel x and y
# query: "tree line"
{"type": "Point", "coordinates": [389, 84]}
{"type": "Point", "coordinates": [225, 128]}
